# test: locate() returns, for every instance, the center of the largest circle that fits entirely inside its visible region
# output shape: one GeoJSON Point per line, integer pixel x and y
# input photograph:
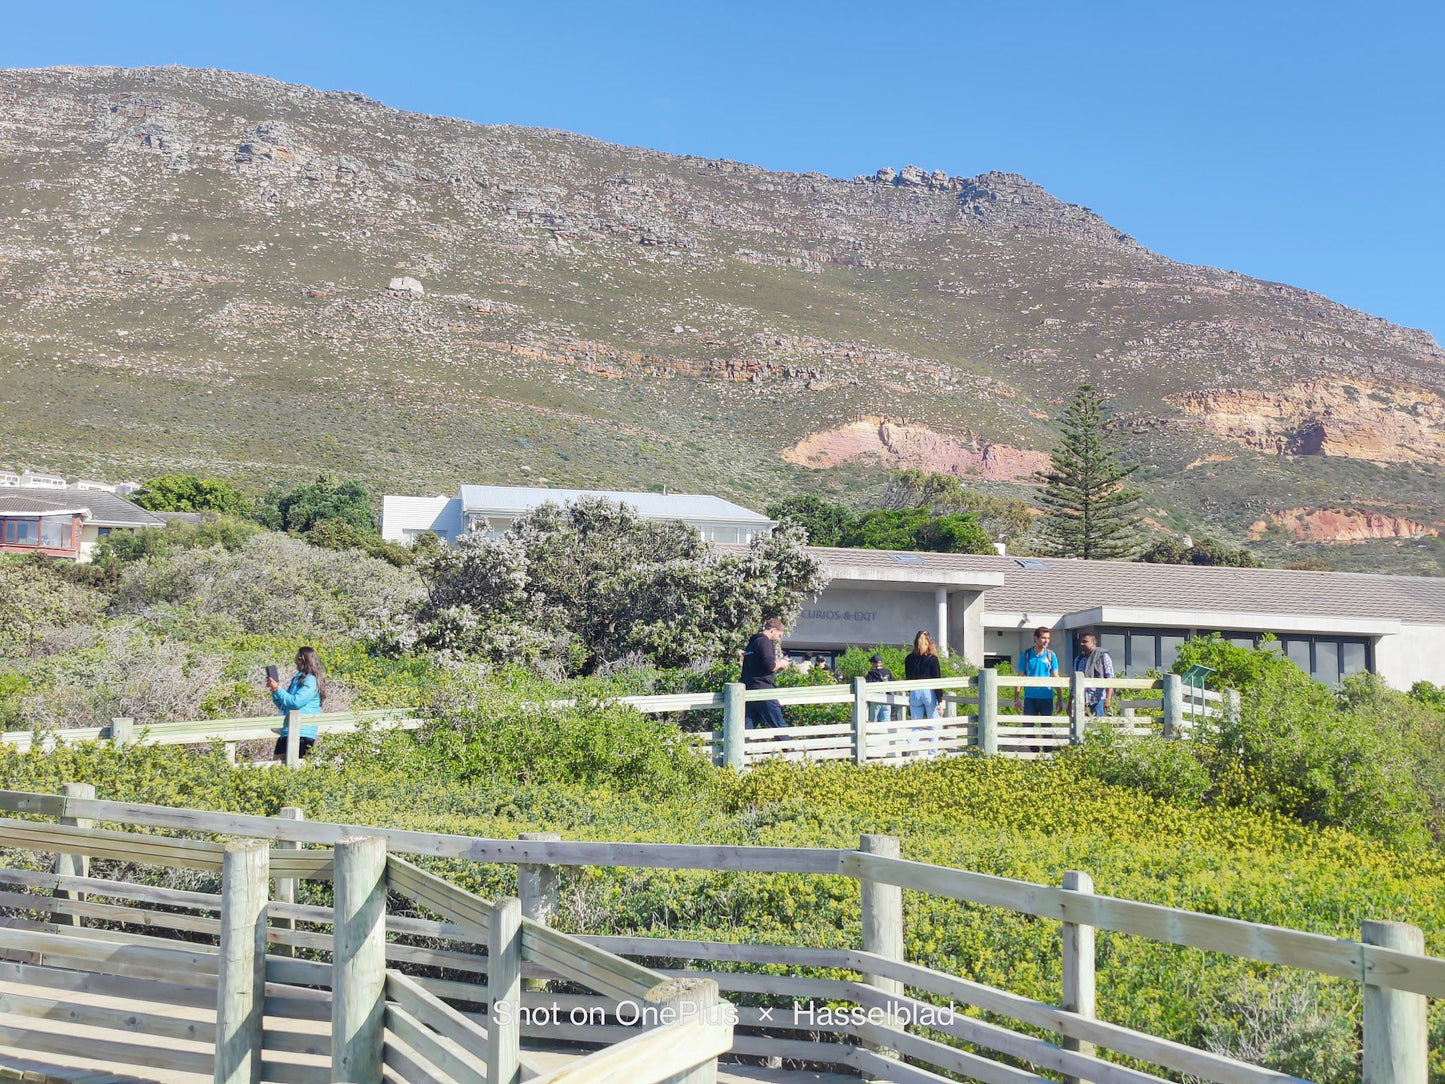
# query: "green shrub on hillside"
{"type": "Point", "coordinates": [1296, 749]}
{"type": "Point", "coordinates": [275, 584]}
{"type": "Point", "coordinates": [192, 493]}
{"type": "Point", "coordinates": [505, 731]}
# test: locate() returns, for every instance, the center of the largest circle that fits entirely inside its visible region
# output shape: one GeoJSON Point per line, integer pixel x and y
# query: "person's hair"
{"type": "Point", "coordinates": [1043, 630]}
{"type": "Point", "coordinates": [876, 658]}
{"type": "Point", "coordinates": [311, 664]}
{"type": "Point", "coordinates": [773, 623]}
{"type": "Point", "coordinates": [923, 643]}
{"type": "Point", "coordinates": [1088, 634]}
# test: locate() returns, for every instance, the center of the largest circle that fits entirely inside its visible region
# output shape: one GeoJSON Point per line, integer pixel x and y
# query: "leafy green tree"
{"type": "Point", "coordinates": [1003, 519]}
{"type": "Point", "coordinates": [917, 529]}
{"type": "Point", "coordinates": [591, 582]}
{"type": "Point", "coordinates": [304, 506]}
{"type": "Point", "coordinates": [1204, 551]}
{"type": "Point", "coordinates": [335, 534]}
{"type": "Point", "coordinates": [192, 493]}
{"type": "Point", "coordinates": [1089, 511]}
{"type": "Point", "coordinates": [825, 521]}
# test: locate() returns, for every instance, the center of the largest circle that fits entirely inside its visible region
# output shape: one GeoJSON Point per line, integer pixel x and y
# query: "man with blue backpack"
{"type": "Point", "coordinates": [1038, 661]}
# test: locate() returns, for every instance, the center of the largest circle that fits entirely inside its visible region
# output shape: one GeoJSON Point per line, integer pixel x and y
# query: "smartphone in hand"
{"type": "Point", "coordinates": [273, 673]}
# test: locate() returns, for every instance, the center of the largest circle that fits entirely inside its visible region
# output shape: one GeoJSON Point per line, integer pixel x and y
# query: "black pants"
{"type": "Point", "coordinates": [306, 744]}
{"type": "Point", "coordinates": [764, 714]}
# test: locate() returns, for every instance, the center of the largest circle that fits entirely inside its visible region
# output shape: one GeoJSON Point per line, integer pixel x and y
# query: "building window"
{"type": "Point", "coordinates": [22, 532]}
{"type": "Point", "coordinates": [55, 533]}
{"type": "Point", "coordinates": [1328, 659]}
{"type": "Point", "coordinates": [1138, 651]}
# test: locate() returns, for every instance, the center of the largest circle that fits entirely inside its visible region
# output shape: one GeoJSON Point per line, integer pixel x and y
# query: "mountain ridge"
{"type": "Point", "coordinates": [188, 231]}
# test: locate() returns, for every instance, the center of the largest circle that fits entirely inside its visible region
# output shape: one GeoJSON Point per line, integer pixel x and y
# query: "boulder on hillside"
{"type": "Point", "coordinates": [406, 286]}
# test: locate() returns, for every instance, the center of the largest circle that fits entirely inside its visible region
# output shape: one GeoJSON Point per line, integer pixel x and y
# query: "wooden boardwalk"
{"type": "Point", "coordinates": [110, 981]}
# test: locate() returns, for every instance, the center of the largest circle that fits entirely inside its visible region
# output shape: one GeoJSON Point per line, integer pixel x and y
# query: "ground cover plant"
{"type": "Point", "coordinates": [1026, 820]}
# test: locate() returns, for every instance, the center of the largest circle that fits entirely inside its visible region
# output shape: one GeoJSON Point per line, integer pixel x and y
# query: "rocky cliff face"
{"type": "Point", "coordinates": [1381, 423]}
{"type": "Point", "coordinates": [197, 269]}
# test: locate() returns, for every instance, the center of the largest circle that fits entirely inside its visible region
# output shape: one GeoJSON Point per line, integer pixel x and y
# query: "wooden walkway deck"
{"type": "Point", "coordinates": [30, 1066]}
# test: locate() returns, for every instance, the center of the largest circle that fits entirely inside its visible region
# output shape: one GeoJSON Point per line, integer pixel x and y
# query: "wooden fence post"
{"type": "Point", "coordinates": [293, 740]}
{"type": "Point", "coordinates": [1394, 1020]}
{"type": "Point", "coordinates": [735, 724]}
{"type": "Point", "coordinates": [122, 731]}
{"type": "Point", "coordinates": [988, 711]}
{"type": "Point", "coordinates": [1231, 705]}
{"type": "Point", "coordinates": [241, 981]}
{"type": "Point", "coordinates": [882, 907]}
{"type": "Point", "coordinates": [860, 720]}
{"type": "Point", "coordinates": [504, 992]}
{"type": "Point", "coordinates": [1173, 705]}
{"type": "Point", "coordinates": [1078, 709]}
{"type": "Point", "coordinates": [358, 959]}
{"type": "Point", "coordinates": [537, 885]}
{"type": "Point", "coordinates": [688, 999]}
{"type": "Point", "coordinates": [72, 865]}
{"type": "Point", "coordinates": [286, 886]}
{"type": "Point", "coordinates": [1078, 967]}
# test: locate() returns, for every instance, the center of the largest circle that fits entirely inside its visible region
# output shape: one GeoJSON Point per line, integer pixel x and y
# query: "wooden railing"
{"type": "Point", "coordinates": [885, 1040]}
{"type": "Point", "coordinates": [197, 991]}
{"type": "Point", "coordinates": [976, 716]}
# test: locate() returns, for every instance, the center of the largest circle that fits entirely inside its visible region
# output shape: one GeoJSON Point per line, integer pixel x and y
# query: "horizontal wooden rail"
{"type": "Point", "coordinates": [205, 731]}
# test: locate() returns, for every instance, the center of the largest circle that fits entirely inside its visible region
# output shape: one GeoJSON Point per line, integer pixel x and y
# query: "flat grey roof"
{"type": "Point", "coordinates": [652, 505]}
{"type": "Point", "coordinates": [1055, 585]}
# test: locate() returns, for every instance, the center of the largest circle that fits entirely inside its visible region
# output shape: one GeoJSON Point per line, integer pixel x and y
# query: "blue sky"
{"type": "Point", "coordinates": [1302, 142]}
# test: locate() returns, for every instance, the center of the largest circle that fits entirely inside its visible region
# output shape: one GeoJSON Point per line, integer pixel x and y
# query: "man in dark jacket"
{"type": "Point", "coordinates": [761, 664]}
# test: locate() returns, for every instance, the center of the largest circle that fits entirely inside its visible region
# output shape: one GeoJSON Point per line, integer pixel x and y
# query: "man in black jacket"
{"type": "Point", "coordinates": [761, 664]}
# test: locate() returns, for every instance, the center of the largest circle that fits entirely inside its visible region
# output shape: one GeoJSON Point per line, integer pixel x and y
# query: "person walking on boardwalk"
{"type": "Point", "coordinates": [303, 695]}
{"type": "Point", "coordinates": [1094, 662]}
{"type": "Point", "coordinates": [918, 665]}
{"type": "Point", "coordinates": [761, 664]}
{"type": "Point", "coordinates": [1038, 660]}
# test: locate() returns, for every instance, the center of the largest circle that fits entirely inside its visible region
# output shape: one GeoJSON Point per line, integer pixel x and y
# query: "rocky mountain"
{"type": "Point", "coordinates": [206, 270]}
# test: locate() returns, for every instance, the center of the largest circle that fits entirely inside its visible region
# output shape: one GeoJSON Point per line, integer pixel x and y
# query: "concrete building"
{"type": "Point", "coordinates": [1332, 624]}
{"type": "Point", "coordinates": [491, 509]}
{"type": "Point", "coordinates": [66, 522]}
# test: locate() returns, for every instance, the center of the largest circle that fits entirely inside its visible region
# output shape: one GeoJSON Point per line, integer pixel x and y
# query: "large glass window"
{"type": "Point", "coordinates": [22, 532]}
{"type": "Point", "coordinates": [55, 533]}
{"type": "Point", "coordinates": [1354, 657]}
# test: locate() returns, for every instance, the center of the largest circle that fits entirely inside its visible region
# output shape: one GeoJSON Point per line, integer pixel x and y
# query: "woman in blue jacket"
{"type": "Point", "coordinates": [303, 695]}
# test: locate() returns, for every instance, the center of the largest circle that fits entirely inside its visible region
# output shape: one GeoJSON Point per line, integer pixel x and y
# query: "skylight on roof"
{"type": "Point", "coordinates": [907, 558]}
{"type": "Point", "coordinates": [1033, 564]}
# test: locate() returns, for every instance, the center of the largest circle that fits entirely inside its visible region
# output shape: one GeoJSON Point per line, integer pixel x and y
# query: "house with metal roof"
{"type": "Point", "coordinates": [1332, 624]}
{"type": "Point", "coordinates": [491, 510]}
{"type": "Point", "coordinates": [68, 522]}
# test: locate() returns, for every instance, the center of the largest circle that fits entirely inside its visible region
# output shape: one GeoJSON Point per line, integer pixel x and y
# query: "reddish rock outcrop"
{"type": "Point", "coordinates": [1340, 525]}
{"type": "Point", "coordinates": [906, 444]}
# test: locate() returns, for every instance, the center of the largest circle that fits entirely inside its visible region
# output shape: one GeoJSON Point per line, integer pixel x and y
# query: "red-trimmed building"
{"type": "Point", "coordinates": [65, 523]}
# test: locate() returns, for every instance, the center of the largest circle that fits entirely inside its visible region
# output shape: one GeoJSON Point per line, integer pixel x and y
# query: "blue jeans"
{"type": "Point", "coordinates": [1038, 706]}
{"type": "Point", "coordinates": [764, 714]}
{"type": "Point", "coordinates": [1099, 707]}
{"type": "Point", "coordinates": [880, 713]}
{"type": "Point", "coordinates": [922, 703]}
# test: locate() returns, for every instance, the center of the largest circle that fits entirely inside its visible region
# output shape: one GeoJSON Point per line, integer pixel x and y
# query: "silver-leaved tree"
{"type": "Point", "coordinates": [591, 582]}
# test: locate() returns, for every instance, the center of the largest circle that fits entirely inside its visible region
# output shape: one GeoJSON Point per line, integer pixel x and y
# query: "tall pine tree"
{"type": "Point", "coordinates": [1089, 511]}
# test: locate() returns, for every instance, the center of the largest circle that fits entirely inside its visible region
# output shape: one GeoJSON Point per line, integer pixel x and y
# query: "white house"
{"type": "Point", "coordinates": [35, 480]}
{"type": "Point", "coordinates": [491, 509]}
{"type": "Point", "coordinates": [1332, 624]}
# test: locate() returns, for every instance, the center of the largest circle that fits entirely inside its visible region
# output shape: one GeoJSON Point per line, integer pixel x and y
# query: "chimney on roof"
{"type": "Point", "coordinates": [1002, 548]}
